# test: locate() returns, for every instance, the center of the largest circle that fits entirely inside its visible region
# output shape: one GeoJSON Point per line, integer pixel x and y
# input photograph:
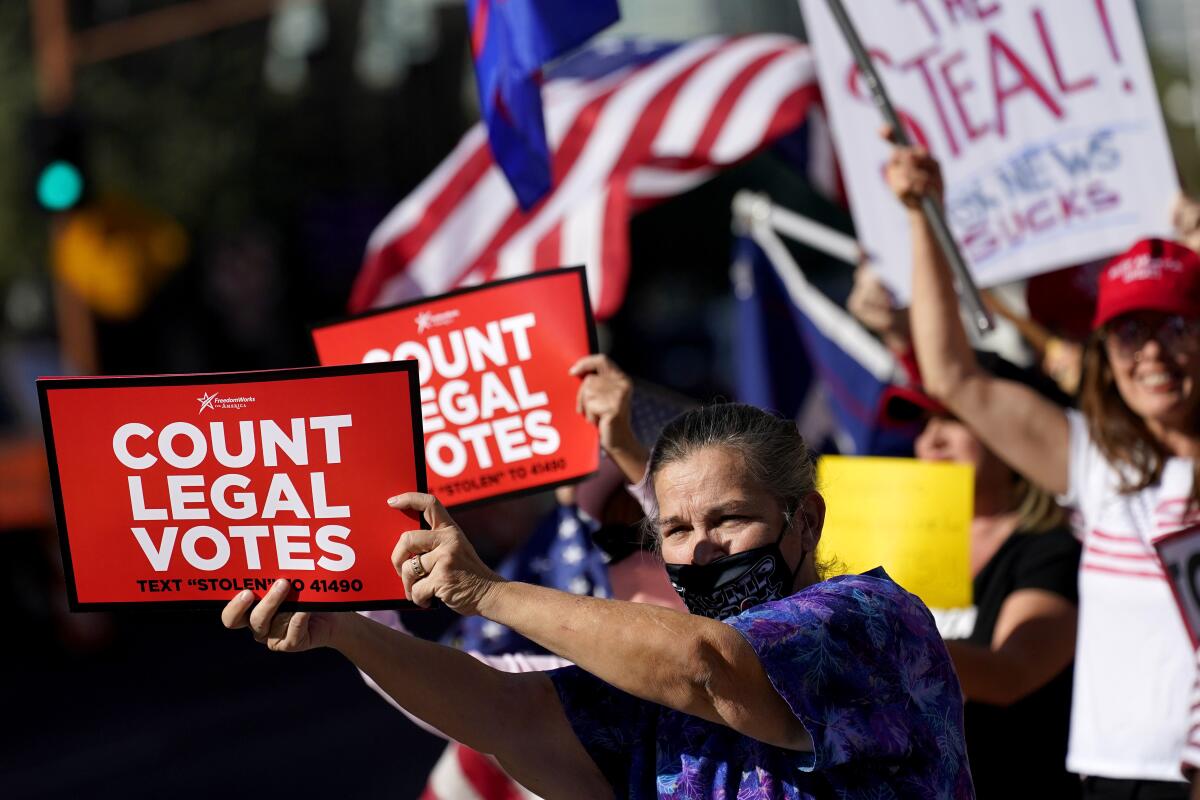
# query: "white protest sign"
{"type": "Point", "coordinates": [1043, 114]}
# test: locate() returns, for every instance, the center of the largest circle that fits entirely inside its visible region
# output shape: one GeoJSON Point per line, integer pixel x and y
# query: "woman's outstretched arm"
{"type": "Point", "coordinates": [683, 661]}
{"type": "Point", "coordinates": [450, 690]}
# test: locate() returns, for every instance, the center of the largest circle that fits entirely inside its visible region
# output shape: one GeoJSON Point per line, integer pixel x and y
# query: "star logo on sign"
{"type": "Point", "coordinates": [206, 401]}
{"type": "Point", "coordinates": [424, 321]}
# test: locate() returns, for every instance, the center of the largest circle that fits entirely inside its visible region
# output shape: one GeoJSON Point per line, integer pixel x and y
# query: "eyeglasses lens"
{"type": "Point", "coordinates": [1173, 332]}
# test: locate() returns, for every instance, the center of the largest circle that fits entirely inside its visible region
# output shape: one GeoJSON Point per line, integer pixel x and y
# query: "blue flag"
{"type": "Point", "coordinates": [771, 369]}
{"type": "Point", "coordinates": [510, 41]}
{"type": "Point", "coordinates": [801, 354]}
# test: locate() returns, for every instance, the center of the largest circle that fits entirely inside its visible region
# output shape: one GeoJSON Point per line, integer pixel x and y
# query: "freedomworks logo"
{"type": "Point", "coordinates": [427, 319]}
{"type": "Point", "coordinates": [210, 401]}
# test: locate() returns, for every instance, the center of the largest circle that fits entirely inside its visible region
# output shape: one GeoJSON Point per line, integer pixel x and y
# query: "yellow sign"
{"type": "Point", "coordinates": [911, 517]}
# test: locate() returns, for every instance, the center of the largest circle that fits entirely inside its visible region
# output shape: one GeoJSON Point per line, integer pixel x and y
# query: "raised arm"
{"type": "Point", "coordinates": [689, 663]}
{"type": "Point", "coordinates": [605, 398]}
{"type": "Point", "coordinates": [1029, 432]}
{"type": "Point", "coordinates": [450, 690]}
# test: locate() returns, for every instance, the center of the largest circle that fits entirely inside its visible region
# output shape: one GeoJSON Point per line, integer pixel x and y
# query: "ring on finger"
{"type": "Point", "coordinates": [417, 567]}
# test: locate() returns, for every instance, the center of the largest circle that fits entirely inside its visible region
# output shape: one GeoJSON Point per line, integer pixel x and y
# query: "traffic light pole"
{"type": "Point", "coordinates": [54, 65]}
{"type": "Point", "coordinates": [57, 51]}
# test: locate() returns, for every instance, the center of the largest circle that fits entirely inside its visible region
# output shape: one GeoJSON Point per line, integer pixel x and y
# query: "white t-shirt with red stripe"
{"type": "Point", "coordinates": [1135, 667]}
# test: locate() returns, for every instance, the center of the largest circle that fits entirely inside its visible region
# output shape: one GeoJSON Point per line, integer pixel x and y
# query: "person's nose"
{"type": "Point", "coordinates": [933, 437]}
{"type": "Point", "coordinates": [706, 549]}
{"type": "Point", "coordinates": [1152, 349]}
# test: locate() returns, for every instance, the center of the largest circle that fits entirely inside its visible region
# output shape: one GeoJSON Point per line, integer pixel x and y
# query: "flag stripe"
{"type": "Point", "coordinates": [602, 148]}
{"type": "Point", "coordinates": [760, 106]}
{"type": "Point", "coordinates": [724, 105]}
{"type": "Point", "coordinates": [689, 115]}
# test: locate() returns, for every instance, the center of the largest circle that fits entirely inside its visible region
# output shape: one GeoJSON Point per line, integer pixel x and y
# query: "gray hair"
{"type": "Point", "coordinates": [775, 455]}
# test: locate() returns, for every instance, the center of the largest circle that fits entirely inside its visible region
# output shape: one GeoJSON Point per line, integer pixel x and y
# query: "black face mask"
{"type": "Point", "coordinates": [731, 584]}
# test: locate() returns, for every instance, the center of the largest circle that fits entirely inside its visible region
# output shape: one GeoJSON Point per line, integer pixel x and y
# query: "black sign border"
{"type": "Point", "coordinates": [593, 349]}
{"type": "Point", "coordinates": [47, 385]}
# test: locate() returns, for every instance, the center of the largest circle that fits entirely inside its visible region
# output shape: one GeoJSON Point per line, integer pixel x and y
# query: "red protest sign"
{"type": "Point", "coordinates": [185, 489]}
{"type": "Point", "coordinates": [497, 403]}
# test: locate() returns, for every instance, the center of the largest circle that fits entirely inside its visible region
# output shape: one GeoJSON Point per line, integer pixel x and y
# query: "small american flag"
{"type": "Point", "coordinates": [629, 123]}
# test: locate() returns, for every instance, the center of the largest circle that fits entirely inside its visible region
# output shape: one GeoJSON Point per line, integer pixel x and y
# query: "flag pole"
{"type": "Point", "coordinates": [1191, 13]}
{"type": "Point", "coordinates": [968, 294]}
{"type": "Point", "coordinates": [750, 206]}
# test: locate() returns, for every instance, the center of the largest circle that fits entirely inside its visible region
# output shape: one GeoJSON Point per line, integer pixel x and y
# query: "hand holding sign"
{"type": "Point", "coordinates": [440, 562]}
{"type": "Point", "coordinates": [606, 401]}
{"type": "Point", "coordinates": [290, 632]}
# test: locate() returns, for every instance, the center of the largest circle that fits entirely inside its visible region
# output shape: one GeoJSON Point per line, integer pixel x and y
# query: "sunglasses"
{"type": "Point", "coordinates": [1173, 332]}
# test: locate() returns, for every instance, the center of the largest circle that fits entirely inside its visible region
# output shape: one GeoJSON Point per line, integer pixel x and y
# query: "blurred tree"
{"type": "Point", "coordinates": [194, 130]}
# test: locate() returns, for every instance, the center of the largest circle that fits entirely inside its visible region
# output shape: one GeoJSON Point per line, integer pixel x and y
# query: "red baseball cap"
{"type": "Point", "coordinates": [1153, 275]}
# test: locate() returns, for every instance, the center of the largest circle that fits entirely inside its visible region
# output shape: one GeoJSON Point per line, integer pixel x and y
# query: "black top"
{"type": "Point", "coordinates": [1021, 750]}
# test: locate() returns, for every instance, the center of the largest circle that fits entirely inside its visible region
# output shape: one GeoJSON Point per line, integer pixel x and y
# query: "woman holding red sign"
{"type": "Point", "coordinates": [1128, 462]}
{"type": "Point", "coordinates": [778, 684]}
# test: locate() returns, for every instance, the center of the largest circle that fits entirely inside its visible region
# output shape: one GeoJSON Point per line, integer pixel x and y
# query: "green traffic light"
{"type": "Point", "coordinates": [60, 186]}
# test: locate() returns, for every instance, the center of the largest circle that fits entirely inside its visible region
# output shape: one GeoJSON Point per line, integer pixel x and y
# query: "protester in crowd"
{"type": "Point", "coordinates": [796, 687]}
{"type": "Point", "coordinates": [1014, 659]}
{"type": "Point", "coordinates": [1127, 463]}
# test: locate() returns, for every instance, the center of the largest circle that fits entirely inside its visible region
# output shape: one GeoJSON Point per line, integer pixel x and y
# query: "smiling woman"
{"type": "Point", "coordinates": [778, 685]}
{"type": "Point", "coordinates": [1129, 465]}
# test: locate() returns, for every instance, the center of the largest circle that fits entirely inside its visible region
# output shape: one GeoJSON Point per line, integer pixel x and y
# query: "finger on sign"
{"type": "Point", "coordinates": [264, 612]}
{"type": "Point", "coordinates": [236, 613]}
{"type": "Point", "coordinates": [412, 542]}
{"type": "Point", "coordinates": [296, 627]}
{"type": "Point", "coordinates": [420, 592]}
{"type": "Point", "coordinates": [413, 582]}
{"type": "Point", "coordinates": [433, 511]}
{"type": "Point", "coordinates": [596, 362]}
{"type": "Point", "coordinates": [420, 541]}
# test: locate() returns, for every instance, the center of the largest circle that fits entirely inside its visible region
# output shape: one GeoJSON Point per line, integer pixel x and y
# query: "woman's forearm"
{"type": "Point", "coordinates": [658, 654]}
{"type": "Point", "coordinates": [478, 706]}
{"type": "Point", "coordinates": [505, 662]}
{"type": "Point", "coordinates": [447, 689]}
{"type": "Point", "coordinates": [943, 351]}
{"type": "Point", "coordinates": [987, 676]}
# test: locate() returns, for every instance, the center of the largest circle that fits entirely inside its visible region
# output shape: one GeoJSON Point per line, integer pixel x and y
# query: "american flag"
{"type": "Point", "coordinates": [629, 124]}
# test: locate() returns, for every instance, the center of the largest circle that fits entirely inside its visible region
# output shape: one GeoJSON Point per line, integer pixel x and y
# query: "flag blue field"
{"type": "Point", "coordinates": [801, 354]}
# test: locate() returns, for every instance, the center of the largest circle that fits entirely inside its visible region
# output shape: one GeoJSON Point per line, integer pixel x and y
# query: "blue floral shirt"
{"type": "Point", "coordinates": [861, 665]}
